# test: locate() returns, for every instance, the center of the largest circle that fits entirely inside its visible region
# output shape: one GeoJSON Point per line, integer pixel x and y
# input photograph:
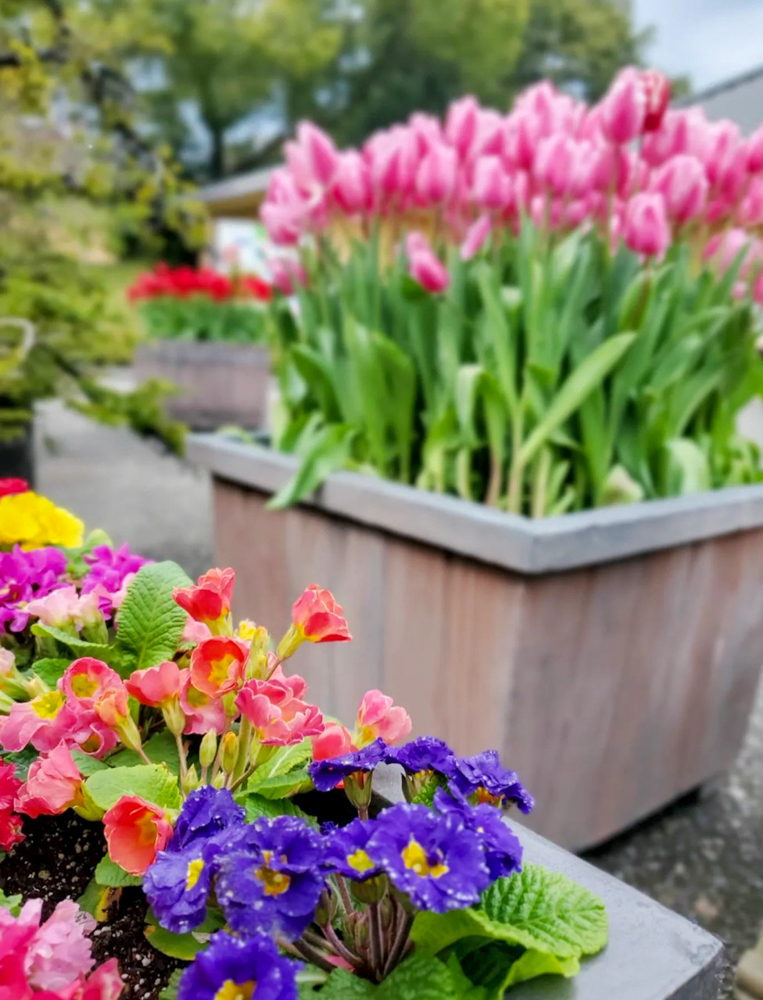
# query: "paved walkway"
{"type": "Point", "coordinates": [703, 857]}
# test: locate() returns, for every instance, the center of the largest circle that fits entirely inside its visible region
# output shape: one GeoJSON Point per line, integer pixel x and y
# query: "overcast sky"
{"type": "Point", "coordinates": [710, 40]}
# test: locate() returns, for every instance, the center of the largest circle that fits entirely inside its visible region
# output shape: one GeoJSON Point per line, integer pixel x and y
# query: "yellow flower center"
{"type": "Point", "coordinates": [276, 883]}
{"type": "Point", "coordinates": [48, 705]}
{"type": "Point", "coordinates": [83, 686]}
{"type": "Point", "coordinates": [360, 861]}
{"type": "Point", "coordinates": [146, 828]}
{"type": "Point", "coordinates": [236, 991]}
{"type": "Point", "coordinates": [485, 797]}
{"type": "Point", "coordinates": [415, 857]}
{"type": "Point", "coordinates": [219, 669]}
{"type": "Point", "coordinates": [193, 875]}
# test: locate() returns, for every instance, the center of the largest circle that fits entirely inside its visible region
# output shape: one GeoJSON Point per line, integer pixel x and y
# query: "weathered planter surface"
{"type": "Point", "coordinates": [652, 954]}
{"type": "Point", "coordinates": [219, 383]}
{"type": "Point", "coordinates": [611, 656]}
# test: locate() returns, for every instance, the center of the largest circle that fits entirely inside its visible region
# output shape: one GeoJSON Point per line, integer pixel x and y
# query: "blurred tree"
{"type": "Point", "coordinates": [67, 126]}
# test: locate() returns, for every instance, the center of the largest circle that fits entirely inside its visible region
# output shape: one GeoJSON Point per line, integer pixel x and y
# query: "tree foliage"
{"type": "Point", "coordinates": [67, 128]}
{"type": "Point", "coordinates": [358, 65]}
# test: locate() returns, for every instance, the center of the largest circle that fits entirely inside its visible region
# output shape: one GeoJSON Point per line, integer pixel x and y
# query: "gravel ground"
{"type": "Point", "coordinates": [703, 857]}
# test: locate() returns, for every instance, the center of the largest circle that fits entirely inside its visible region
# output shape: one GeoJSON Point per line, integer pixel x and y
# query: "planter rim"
{"type": "Point", "coordinates": [511, 541]}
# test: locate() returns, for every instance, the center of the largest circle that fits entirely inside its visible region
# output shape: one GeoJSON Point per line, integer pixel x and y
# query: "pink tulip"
{"type": "Point", "coordinates": [645, 225]}
{"type": "Point", "coordinates": [755, 151]}
{"type": "Point", "coordinates": [437, 173]}
{"type": "Point", "coordinates": [334, 741]}
{"type": "Point", "coordinates": [425, 267]}
{"type": "Point", "coordinates": [521, 135]}
{"type": "Point", "coordinates": [382, 153]}
{"type": "Point", "coordinates": [726, 160]}
{"type": "Point", "coordinates": [489, 137]}
{"type": "Point", "coordinates": [724, 248]}
{"type": "Point", "coordinates": [286, 274]}
{"type": "Point", "coordinates": [682, 182]}
{"type": "Point", "coordinates": [751, 209]}
{"type": "Point", "coordinates": [352, 184]}
{"type": "Point", "coordinates": [546, 211]}
{"type": "Point", "coordinates": [284, 223]}
{"type": "Point", "coordinates": [320, 152]}
{"type": "Point", "coordinates": [135, 832]}
{"type": "Point", "coordinates": [491, 187]}
{"type": "Point", "coordinates": [657, 88]}
{"type": "Point", "coordinates": [427, 130]}
{"type": "Point", "coordinates": [461, 124]}
{"type": "Point", "coordinates": [299, 175]}
{"type": "Point", "coordinates": [379, 717]}
{"type": "Point", "coordinates": [52, 786]}
{"type": "Point", "coordinates": [475, 238]}
{"type": "Point", "coordinates": [555, 163]}
{"type": "Point", "coordinates": [623, 109]}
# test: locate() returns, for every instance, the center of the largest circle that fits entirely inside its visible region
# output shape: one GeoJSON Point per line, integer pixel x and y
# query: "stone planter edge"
{"type": "Point", "coordinates": [513, 542]}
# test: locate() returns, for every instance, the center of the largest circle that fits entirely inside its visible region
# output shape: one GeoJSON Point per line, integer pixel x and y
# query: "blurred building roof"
{"type": "Point", "coordinates": [740, 99]}
{"type": "Point", "coordinates": [237, 197]}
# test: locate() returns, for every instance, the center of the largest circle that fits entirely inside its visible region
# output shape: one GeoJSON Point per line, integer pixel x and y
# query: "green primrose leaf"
{"type": "Point", "coordinates": [97, 899]}
{"type": "Point", "coordinates": [170, 991]}
{"type": "Point", "coordinates": [538, 909]}
{"type": "Point", "coordinates": [11, 903]}
{"type": "Point", "coordinates": [150, 622]}
{"type": "Point", "coordinates": [182, 946]}
{"type": "Point", "coordinates": [50, 669]}
{"type": "Point", "coordinates": [257, 806]}
{"type": "Point", "coordinates": [111, 875]}
{"type": "Point", "coordinates": [22, 760]}
{"type": "Point", "coordinates": [152, 782]}
{"type": "Point", "coordinates": [495, 966]}
{"type": "Point", "coordinates": [86, 764]}
{"type": "Point", "coordinates": [98, 650]}
{"type": "Point", "coordinates": [160, 748]}
{"type": "Point", "coordinates": [416, 979]}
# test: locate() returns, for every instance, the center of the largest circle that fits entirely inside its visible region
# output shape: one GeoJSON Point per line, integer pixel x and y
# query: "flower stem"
{"type": "Point", "coordinates": [398, 945]}
{"type": "Point", "coordinates": [375, 939]}
{"type": "Point", "coordinates": [344, 893]}
{"type": "Point", "coordinates": [310, 954]}
{"type": "Point", "coordinates": [341, 948]}
{"type": "Point", "coordinates": [244, 742]}
{"type": "Point", "coordinates": [182, 756]}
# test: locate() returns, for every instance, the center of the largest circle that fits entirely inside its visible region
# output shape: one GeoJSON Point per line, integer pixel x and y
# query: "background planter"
{"type": "Point", "coordinates": [611, 656]}
{"type": "Point", "coordinates": [219, 383]}
{"type": "Point", "coordinates": [17, 456]}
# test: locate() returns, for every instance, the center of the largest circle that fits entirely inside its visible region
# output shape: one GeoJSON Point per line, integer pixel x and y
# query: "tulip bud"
{"type": "Point", "coordinates": [475, 237]}
{"type": "Point", "coordinates": [436, 176]}
{"type": "Point", "coordinates": [657, 88]}
{"type": "Point", "coordinates": [352, 184]}
{"type": "Point", "coordinates": [645, 225]}
{"type": "Point", "coordinates": [755, 151]}
{"type": "Point", "coordinates": [491, 188]}
{"type": "Point", "coordinates": [683, 185]}
{"type": "Point", "coordinates": [623, 109]}
{"type": "Point", "coordinates": [429, 271]}
{"type": "Point", "coordinates": [320, 152]}
{"type": "Point", "coordinates": [208, 749]}
{"type": "Point", "coordinates": [230, 751]}
{"type": "Point", "coordinates": [461, 123]}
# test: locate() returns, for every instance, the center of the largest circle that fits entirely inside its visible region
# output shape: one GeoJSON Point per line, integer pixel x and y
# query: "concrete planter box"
{"type": "Point", "coordinates": [652, 954]}
{"type": "Point", "coordinates": [611, 656]}
{"type": "Point", "coordinates": [219, 383]}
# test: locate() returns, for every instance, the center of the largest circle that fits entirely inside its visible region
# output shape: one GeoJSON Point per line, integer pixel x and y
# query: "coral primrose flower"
{"type": "Point", "coordinates": [135, 832]}
{"type": "Point", "coordinates": [156, 686]}
{"type": "Point", "coordinates": [218, 665]}
{"type": "Point", "coordinates": [278, 718]}
{"type": "Point", "coordinates": [210, 600]}
{"type": "Point", "coordinates": [203, 713]}
{"type": "Point", "coordinates": [317, 617]}
{"type": "Point", "coordinates": [53, 785]}
{"type": "Point", "coordinates": [377, 716]}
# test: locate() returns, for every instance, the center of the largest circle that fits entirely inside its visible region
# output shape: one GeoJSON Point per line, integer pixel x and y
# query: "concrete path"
{"type": "Point", "coordinates": [703, 857]}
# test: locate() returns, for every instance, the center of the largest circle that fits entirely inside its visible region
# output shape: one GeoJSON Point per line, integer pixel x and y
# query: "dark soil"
{"type": "Point", "coordinates": [56, 862]}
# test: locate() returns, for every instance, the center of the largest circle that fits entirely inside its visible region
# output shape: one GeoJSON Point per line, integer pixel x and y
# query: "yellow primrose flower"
{"type": "Point", "coordinates": [33, 521]}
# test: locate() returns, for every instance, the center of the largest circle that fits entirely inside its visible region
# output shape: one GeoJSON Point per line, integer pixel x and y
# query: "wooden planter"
{"type": "Point", "coordinates": [218, 383]}
{"type": "Point", "coordinates": [611, 656]}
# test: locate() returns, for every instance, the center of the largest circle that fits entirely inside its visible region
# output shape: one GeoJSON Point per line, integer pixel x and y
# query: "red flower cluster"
{"type": "Point", "coordinates": [183, 282]}
{"type": "Point", "coordinates": [10, 823]}
{"type": "Point", "coordinates": [9, 487]}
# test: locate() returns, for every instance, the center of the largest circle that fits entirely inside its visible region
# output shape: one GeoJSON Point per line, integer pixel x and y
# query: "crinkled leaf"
{"type": "Point", "coordinates": [99, 650]}
{"type": "Point", "coordinates": [108, 873]}
{"type": "Point", "coordinates": [416, 979]}
{"type": "Point", "coordinates": [10, 903]}
{"type": "Point", "coordinates": [170, 991]}
{"type": "Point", "coordinates": [539, 909]}
{"type": "Point", "coordinates": [182, 946]}
{"type": "Point", "coordinates": [257, 805]}
{"type": "Point", "coordinates": [286, 759]}
{"type": "Point", "coordinates": [281, 786]}
{"type": "Point", "coordinates": [161, 748]}
{"type": "Point", "coordinates": [152, 782]}
{"type": "Point", "coordinates": [496, 966]}
{"type": "Point", "coordinates": [50, 669]}
{"type": "Point", "coordinates": [97, 899]}
{"type": "Point", "coordinates": [86, 764]}
{"type": "Point", "coordinates": [22, 760]}
{"type": "Point", "coordinates": [150, 623]}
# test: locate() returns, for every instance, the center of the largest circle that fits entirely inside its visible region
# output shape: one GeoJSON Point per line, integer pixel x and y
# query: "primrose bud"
{"type": "Point", "coordinates": [370, 891]}
{"type": "Point", "coordinates": [208, 749]}
{"type": "Point", "coordinates": [326, 910]}
{"type": "Point", "coordinates": [190, 780]}
{"type": "Point", "coordinates": [174, 717]}
{"type": "Point", "coordinates": [230, 751]}
{"type": "Point", "coordinates": [358, 789]}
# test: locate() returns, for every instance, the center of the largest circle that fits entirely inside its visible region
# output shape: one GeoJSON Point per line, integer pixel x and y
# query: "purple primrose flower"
{"type": "Point", "coordinates": [232, 968]}
{"type": "Point", "coordinates": [327, 774]}
{"type": "Point", "coordinates": [346, 851]}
